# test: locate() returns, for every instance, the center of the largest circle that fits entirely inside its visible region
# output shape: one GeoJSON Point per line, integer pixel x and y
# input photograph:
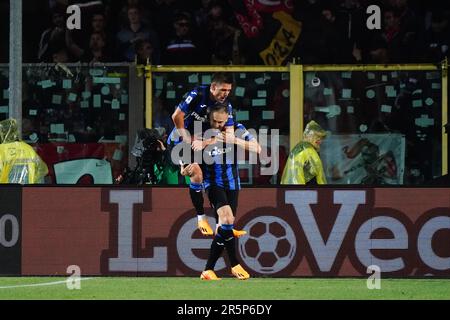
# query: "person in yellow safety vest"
{"type": "Point", "coordinates": [304, 165]}
{"type": "Point", "coordinates": [19, 162]}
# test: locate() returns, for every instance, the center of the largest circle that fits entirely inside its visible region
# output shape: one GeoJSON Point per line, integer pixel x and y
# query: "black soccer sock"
{"type": "Point", "coordinates": [195, 191]}
{"type": "Point", "coordinates": [215, 252]}
{"type": "Point", "coordinates": [226, 231]}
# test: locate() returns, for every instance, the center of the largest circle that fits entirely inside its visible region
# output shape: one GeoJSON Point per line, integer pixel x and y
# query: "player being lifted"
{"type": "Point", "coordinates": [194, 109]}
{"type": "Point", "coordinates": [221, 180]}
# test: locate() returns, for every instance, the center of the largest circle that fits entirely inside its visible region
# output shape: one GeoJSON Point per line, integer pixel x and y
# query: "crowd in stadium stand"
{"type": "Point", "coordinates": [231, 31]}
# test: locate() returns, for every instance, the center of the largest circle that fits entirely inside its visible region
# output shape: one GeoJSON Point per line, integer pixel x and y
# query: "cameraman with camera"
{"type": "Point", "coordinates": [150, 153]}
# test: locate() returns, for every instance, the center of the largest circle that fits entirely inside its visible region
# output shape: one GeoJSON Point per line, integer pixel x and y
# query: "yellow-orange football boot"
{"type": "Point", "coordinates": [239, 272]}
{"type": "Point", "coordinates": [204, 227]}
{"type": "Point", "coordinates": [209, 275]}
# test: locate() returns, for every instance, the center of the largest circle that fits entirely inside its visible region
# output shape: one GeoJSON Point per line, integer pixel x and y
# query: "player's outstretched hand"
{"type": "Point", "coordinates": [197, 145]}
{"type": "Point", "coordinates": [188, 170]}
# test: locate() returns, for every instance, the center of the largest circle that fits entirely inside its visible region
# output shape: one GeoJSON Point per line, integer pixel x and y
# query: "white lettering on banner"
{"type": "Point", "coordinates": [364, 243]}
{"type": "Point", "coordinates": [326, 249]}
{"type": "Point", "coordinates": [186, 244]}
{"type": "Point", "coordinates": [125, 260]}
{"type": "Point", "coordinates": [424, 246]}
{"type": "Point", "coordinates": [7, 243]}
{"type": "Point", "coordinates": [325, 253]}
{"type": "Point", "coordinates": [69, 172]}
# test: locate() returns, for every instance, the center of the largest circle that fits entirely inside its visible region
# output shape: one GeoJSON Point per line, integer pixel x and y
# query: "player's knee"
{"type": "Point", "coordinates": [225, 214]}
{"type": "Point", "coordinates": [197, 175]}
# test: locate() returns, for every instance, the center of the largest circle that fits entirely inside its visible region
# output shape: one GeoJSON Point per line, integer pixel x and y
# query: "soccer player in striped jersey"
{"type": "Point", "coordinates": [221, 180]}
{"type": "Point", "coordinates": [194, 108]}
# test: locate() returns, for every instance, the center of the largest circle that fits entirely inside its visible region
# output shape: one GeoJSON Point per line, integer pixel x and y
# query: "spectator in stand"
{"type": "Point", "coordinates": [97, 49]}
{"type": "Point", "coordinates": [352, 25]}
{"type": "Point", "coordinates": [201, 14]}
{"type": "Point", "coordinates": [436, 40]}
{"type": "Point", "coordinates": [385, 46]}
{"type": "Point", "coordinates": [225, 41]}
{"type": "Point", "coordinates": [133, 31]}
{"type": "Point", "coordinates": [163, 13]}
{"type": "Point", "coordinates": [182, 48]}
{"type": "Point", "coordinates": [144, 12]}
{"type": "Point", "coordinates": [99, 25]}
{"type": "Point", "coordinates": [60, 55]}
{"type": "Point", "coordinates": [408, 18]}
{"type": "Point", "coordinates": [332, 37]}
{"type": "Point", "coordinates": [408, 30]}
{"type": "Point", "coordinates": [391, 35]}
{"type": "Point", "coordinates": [144, 52]}
{"type": "Point", "coordinates": [52, 39]}
{"type": "Point", "coordinates": [99, 44]}
{"type": "Point", "coordinates": [98, 22]}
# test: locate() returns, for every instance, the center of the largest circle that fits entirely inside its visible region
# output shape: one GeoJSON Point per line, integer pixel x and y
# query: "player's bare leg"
{"type": "Point", "coordinates": [195, 174]}
{"type": "Point", "coordinates": [226, 231]}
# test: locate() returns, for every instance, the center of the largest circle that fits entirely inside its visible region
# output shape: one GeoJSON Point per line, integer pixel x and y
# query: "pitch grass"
{"type": "Point", "coordinates": [186, 288]}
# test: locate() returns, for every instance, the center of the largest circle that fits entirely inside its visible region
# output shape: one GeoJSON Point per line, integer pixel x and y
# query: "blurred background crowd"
{"type": "Point", "coordinates": [222, 32]}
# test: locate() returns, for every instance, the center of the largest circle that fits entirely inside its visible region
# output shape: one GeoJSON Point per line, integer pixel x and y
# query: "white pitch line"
{"type": "Point", "coordinates": [39, 284]}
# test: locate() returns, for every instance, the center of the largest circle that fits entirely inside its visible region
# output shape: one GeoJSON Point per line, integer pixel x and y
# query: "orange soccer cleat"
{"type": "Point", "coordinates": [239, 272]}
{"type": "Point", "coordinates": [209, 275]}
{"type": "Point", "coordinates": [236, 233]}
{"type": "Point", "coordinates": [239, 233]}
{"type": "Point", "coordinates": [204, 227]}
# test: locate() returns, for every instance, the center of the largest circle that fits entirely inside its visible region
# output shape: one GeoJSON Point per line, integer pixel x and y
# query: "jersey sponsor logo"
{"type": "Point", "coordinates": [218, 151]}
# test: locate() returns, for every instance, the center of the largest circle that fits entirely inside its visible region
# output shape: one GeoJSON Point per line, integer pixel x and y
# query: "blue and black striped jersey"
{"type": "Point", "coordinates": [224, 172]}
{"type": "Point", "coordinates": [195, 107]}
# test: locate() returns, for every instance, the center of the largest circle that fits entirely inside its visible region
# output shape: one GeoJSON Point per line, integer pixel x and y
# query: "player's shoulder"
{"type": "Point", "coordinates": [198, 91]}
{"type": "Point", "coordinates": [193, 96]}
{"type": "Point", "coordinates": [192, 93]}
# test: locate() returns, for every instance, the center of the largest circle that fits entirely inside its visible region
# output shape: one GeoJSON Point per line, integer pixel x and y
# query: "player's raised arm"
{"type": "Point", "coordinates": [251, 145]}
{"type": "Point", "coordinates": [178, 121]}
{"type": "Point", "coordinates": [241, 137]}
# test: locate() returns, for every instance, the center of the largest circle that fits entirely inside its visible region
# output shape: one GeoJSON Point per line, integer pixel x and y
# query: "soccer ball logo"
{"type": "Point", "coordinates": [269, 246]}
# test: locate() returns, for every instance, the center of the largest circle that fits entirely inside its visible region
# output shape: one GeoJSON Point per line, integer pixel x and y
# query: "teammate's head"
{"type": "Point", "coordinates": [221, 85]}
{"type": "Point", "coordinates": [218, 116]}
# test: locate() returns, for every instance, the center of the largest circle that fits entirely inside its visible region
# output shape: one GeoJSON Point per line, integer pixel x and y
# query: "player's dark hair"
{"type": "Point", "coordinates": [222, 77]}
{"type": "Point", "coordinates": [219, 107]}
